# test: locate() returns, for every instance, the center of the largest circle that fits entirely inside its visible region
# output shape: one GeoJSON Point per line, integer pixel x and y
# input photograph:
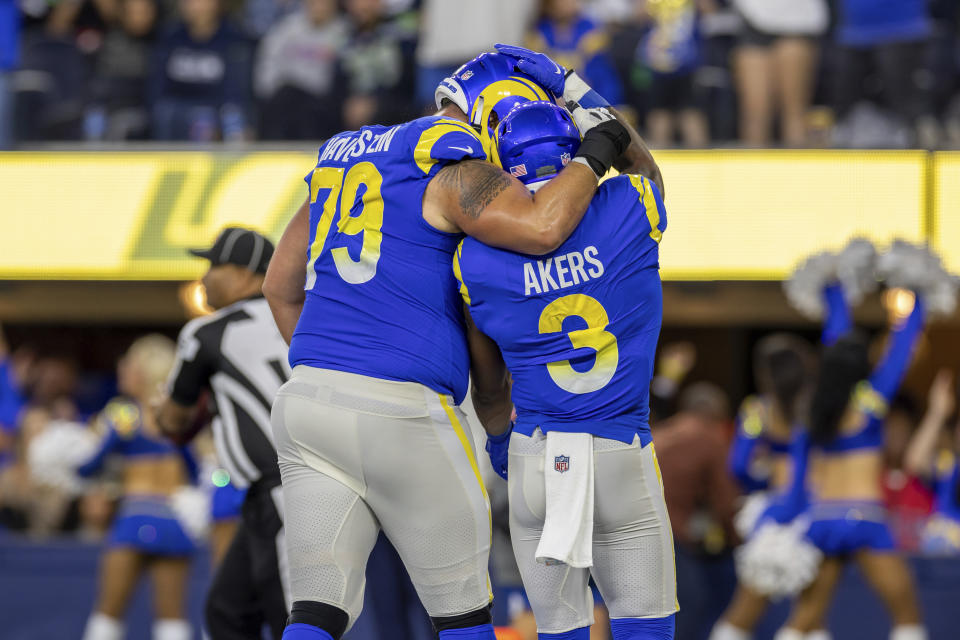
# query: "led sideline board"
{"type": "Point", "coordinates": [945, 219]}
{"type": "Point", "coordinates": [732, 214]}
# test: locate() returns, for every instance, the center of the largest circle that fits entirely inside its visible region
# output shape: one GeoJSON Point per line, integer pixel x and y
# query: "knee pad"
{"type": "Point", "coordinates": [908, 632]}
{"type": "Point", "coordinates": [102, 627]}
{"type": "Point", "coordinates": [172, 629]}
{"type": "Point", "coordinates": [468, 620]}
{"type": "Point", "coordinates": [583, 633]}
{"type": "Point", "coordinates": [643, 628]}
{"type": "Point", "coordinates": [315, 621]}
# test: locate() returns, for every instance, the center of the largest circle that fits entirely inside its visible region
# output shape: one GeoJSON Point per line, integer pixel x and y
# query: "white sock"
{"type": "Point", "coordinates": [102, 627]}
{"type": "Point", "coordinates": [172, 629]}
{"type": "Point", "coordinates": [908, 632]}
{"type": "Point", "coordinates": [723, 630]}
{"type": "Point", "coordinates": [787, 633]}
{"type": "Point", "coordinates": [819, 634]}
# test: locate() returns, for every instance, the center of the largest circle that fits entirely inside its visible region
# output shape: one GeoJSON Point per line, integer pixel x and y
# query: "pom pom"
{"type": "Point", "coordinates": [804, 289]}
{"type": "Point", "coordinates": [778, 561]}
{"type": "Point", "coordinates": [55, 453]}
{"type": "Point", "coordinates": [915, 267]}
{"type": "Point", "coordinates": [749, 514]}
{"type": "Point", "coordinates": [191, 505]}
{"type": "Point", "coordinates": [857, 270]}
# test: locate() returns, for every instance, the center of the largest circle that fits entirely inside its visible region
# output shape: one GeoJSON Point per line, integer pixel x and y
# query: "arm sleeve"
{"type": "Point", "coordinates": [191, 371]}
{"type": "Point", "coordinates": [838, 319]}
{"type": "Point", "coordinates": [888, 374]}
{"type": "Point", "coordinates": [109, 444]}
{"type": "Point", "coordinates": [793, 501]}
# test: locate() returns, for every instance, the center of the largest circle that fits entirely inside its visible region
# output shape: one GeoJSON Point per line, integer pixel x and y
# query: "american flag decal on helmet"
{"type": "Point", "coordinates": [518, 170]}
{"type": "Point", "coordinates": [561, 463]}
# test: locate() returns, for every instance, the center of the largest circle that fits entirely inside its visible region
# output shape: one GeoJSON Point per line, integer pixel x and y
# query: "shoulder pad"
{"type": "Point", "coordinates": [752, 416]}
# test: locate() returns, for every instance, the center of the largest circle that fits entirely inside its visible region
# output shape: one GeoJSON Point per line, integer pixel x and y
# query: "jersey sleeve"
{"type": "Point", "coordinates": [458, 273]}
{"type": "Point", "coordinates": [888, 374]}
{"type": "Point", "coordinates": [191, 370]}
{"type": "Point", "coordinates": [445, 141]}
{"type": "Point", "coordinates": [646, 192]}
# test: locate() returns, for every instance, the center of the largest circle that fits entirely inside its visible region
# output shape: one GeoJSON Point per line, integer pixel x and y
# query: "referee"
{"type": "Point", "coordinates": [238, 354]}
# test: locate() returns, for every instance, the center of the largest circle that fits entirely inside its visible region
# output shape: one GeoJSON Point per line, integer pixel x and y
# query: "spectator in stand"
{"type": "Point", "coordinates": [452, 32]}
{"type": "Point", "coordinates": [9, 49]}
{"type": "Point", "coordinates": [200, 82]}
{"type": "Point", "coordinates": [118, 107]}
{"type": "Point", "coordinates": [692, 450]}
{"type": "Point", "coordinates": [906, 496]}
{"type": "Point", "coordinates": [775, 63]}
{"type": "Point", "coordinates": [670, 49]}
{"type": "Point", "coordinates": [574, 41]}
{"type": "Point", "coordinates": [295, 71]}
{"type": "Point", "coordinates": [376, 67]}
{"type": "Point", "coordinates": [889, 37]}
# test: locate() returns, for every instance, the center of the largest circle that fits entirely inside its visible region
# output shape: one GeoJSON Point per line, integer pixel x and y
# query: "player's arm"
{"type": "Point", "coordinates": [491, 381]}
{"type": "Point", "coordinates": [283, 284]}
{"type": "Point", "coordinates": [479, 199]}
{"type": "Point", "coordinates": [577, 94]}
{"type": "Point", "coordinates": [637, 158]}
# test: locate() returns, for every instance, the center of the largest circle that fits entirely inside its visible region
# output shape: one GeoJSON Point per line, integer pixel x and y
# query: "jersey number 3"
{"type": "Point", "coordinates": [595, 336]}
{"type": "Point", "coordinates": [343, 190]}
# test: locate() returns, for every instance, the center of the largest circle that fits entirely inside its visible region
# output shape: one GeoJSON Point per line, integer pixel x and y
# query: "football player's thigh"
{"type": "Point", "coordinates": [329, 528]}
{"type": "Point", "coordinates": [633, 544]}
{"type": "Point", "coordinates": [559, 594]}
{"type": "Point", "coordinates": [424, 486]}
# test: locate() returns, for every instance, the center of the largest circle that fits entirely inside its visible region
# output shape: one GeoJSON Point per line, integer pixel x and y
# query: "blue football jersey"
{"type": "Point", "coordinates": [380, 298]}
{"type": "Point", "coordinates": [578, 328]}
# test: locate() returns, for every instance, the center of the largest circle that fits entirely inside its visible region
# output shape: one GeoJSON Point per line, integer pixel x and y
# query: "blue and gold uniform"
{"type": "Point", "coordinates": [845, 519]}
{"type": "Point", "coordinates": [145, 522]}
{"type": "Point", "coordinates": [578, 328]}
{"type": "Point", "coordinates": [382, 267]}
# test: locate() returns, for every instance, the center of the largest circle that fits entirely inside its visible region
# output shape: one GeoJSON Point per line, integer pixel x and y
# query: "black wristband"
{"type": "Point", "coordinates": [603, 144]}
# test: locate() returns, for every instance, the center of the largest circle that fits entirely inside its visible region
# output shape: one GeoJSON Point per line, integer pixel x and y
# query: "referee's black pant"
{"type": "Point", "coordinates": [247, 591]}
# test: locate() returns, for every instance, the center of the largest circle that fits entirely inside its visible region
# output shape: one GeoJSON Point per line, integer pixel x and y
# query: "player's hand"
{"type": "Point", "coordinates": [498, 448]}
{"type": "Point", "coordinates": [538, 66]}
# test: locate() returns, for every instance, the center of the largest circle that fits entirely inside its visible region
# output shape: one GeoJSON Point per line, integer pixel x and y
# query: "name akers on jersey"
{"type": "Point", "coordinates": [561, 272]}
{"type": "Point", "coordinates": [343, 147]}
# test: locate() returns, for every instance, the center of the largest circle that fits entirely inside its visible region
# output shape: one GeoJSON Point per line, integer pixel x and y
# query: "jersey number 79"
{"type": "Point", "coordinates": [341, 194]}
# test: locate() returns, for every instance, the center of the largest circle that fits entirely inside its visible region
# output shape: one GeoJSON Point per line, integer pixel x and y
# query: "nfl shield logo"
{"type": "Point", "coordinates": [561, 463]}
{"type": "Point", "coordinates": [565, 159]}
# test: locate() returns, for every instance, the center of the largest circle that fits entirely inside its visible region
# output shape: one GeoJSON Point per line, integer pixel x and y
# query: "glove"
{"type": "Point", "coordinates": [604, 139]}
{"type": "Point", "coordinates": [498, 450]}
{"type": "Point", "coordinates": [561, 82]}
{"type": "Point", "coordinates": [538, 66]}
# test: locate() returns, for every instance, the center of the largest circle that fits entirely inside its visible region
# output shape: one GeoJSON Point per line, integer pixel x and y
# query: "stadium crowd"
{"type": "Point", "coordinates": [845, 73]}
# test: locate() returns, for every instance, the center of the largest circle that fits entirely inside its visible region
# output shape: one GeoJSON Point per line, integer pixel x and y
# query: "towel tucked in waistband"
{"type": "Point", "coordinates": [568, 475]}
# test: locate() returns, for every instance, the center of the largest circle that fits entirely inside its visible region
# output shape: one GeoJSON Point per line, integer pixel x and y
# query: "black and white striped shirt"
{"type": "Point", "coordinates": [237, 353]}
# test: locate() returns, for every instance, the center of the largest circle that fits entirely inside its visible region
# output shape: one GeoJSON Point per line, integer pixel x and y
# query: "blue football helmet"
{"type": "Point", "coordinates": [536, 140]}
{"type": "Point", "coordinates": [485, 89]}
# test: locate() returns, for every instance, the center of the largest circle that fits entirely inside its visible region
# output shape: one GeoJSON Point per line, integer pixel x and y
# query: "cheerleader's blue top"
{"type": "Point", "coordinates": [125, 436]}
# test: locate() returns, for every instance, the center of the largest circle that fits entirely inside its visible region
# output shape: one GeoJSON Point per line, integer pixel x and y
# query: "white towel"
{"type": "Point", "coordinates": [568, 475]}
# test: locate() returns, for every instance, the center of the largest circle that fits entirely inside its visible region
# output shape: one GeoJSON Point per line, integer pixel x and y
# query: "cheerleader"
{"type": "Point", "coordinates": [848, 520]}
{"type": "Point", "coordinates": [761, 461]}
{"type": "Point", "coordinates": [146, 536]}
